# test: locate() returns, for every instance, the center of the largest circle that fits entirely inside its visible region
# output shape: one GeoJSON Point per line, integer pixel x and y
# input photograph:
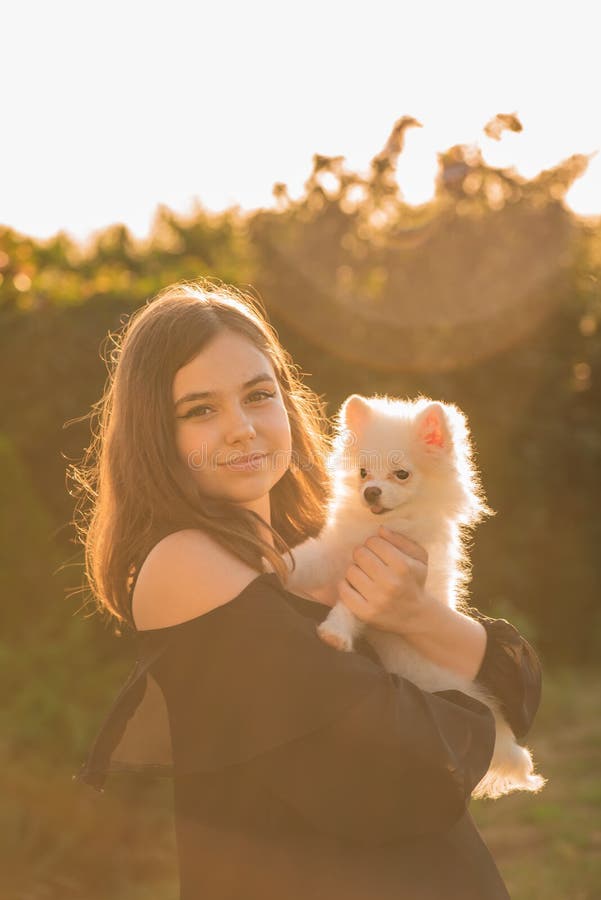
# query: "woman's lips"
{"type": "Point", "coordinates": [246, 463]}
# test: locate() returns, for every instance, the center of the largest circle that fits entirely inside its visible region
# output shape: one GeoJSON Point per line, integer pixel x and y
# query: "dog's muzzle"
{"type": "Point", "coordinates": [372, 496]}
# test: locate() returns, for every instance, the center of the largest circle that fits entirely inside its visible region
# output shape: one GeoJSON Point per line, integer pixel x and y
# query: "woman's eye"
{"type": "Point", "coordinates": [195, 411]}
{"type": "Point", "coordinates": [363, 473]}
{"type": "Point", "coordinates": [255, 397]}
{"type": "Point", "coordinates": [262, 395]}
{"type": "Point", "coordinates": [402, 474]}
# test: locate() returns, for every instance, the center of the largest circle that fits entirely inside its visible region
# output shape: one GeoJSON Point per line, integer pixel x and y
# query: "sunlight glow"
{"type": "Point", "coordinates": [217, 104]}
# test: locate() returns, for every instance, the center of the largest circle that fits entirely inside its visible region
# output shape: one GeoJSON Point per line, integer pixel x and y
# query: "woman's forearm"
{"type": "Point", "coordinates": [448, 638]}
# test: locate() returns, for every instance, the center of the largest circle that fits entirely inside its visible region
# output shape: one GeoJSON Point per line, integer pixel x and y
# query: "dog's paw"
{"type": "Point", "coordinates": [334, 639]}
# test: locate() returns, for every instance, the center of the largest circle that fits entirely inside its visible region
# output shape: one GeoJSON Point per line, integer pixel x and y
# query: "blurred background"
{"type": "Point", "coordinates": [414, 192]}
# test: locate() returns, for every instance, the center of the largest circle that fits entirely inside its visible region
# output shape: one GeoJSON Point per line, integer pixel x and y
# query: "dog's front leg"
{"type": "Point", "coordinates": [340, 628]}
{"type": "Point", "coordinates": [315, 566]}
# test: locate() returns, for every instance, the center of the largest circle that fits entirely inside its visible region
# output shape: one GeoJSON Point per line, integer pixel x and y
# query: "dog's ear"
{"type": "Point", "coordinates": [354, 411]}
{"type": "Point", "coordinates": [432, 429]}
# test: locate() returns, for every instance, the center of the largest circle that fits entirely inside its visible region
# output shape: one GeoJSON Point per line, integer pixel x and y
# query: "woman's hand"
{"type": "Point", "coordinates": [384, 586]}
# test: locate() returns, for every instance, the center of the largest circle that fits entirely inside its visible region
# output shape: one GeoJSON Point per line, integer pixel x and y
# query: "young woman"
{"type": "Point", "coordinates": [298, 771]}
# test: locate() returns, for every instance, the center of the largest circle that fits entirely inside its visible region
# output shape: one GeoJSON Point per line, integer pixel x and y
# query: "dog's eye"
{"type": "Point", "coordinates": [402, 474]}
{"type": "Point", "coordinates": [363, 473]}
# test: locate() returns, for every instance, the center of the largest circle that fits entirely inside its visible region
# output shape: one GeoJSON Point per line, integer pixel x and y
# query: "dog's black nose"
{"type": "Point", "coordinates": [371, 494]}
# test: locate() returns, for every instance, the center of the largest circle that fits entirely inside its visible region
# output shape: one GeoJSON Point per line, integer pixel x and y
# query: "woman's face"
{"type": "Point", "coordinates": [240, 412]}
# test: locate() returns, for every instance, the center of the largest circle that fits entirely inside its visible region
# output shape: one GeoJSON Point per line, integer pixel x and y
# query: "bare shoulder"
{"type": "Point", "coordinates": [185, 575]}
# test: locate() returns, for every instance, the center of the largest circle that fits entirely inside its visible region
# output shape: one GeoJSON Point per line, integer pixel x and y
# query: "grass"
{"type": "Point", "coordinates": [64, 841]}
{"type": "Point", "coordinates": [548, 845]}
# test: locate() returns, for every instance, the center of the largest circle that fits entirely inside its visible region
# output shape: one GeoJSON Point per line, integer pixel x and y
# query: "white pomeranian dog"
{"type": "Point", "coordinates": [408, 462]}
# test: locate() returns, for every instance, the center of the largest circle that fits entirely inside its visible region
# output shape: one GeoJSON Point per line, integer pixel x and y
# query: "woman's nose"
{"type": "Point", "coordinates": [241, 428]}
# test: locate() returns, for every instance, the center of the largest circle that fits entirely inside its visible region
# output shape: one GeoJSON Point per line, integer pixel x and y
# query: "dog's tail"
{"type": "Point", "coordinates": [511, 768]}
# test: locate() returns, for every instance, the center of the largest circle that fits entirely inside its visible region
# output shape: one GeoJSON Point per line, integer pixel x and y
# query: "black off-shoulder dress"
{"type": "Point", "coordinates": [302, 772]}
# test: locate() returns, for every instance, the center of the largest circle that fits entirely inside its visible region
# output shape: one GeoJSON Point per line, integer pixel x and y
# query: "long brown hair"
{"type": "Point", "coordinates": [132, 487]}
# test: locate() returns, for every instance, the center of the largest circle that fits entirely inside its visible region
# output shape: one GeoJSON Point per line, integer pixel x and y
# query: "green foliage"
{"type": "Point", "coordinates": [27, 553]}
{"type": "Point", "coordinates": [489, 296]}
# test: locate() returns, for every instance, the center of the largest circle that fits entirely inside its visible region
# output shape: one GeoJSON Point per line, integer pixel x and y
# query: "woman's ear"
{"type": "Point", "coordinates": [432, 429]}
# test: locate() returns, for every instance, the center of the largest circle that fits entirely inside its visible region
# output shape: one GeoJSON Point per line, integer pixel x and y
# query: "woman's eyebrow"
{"type": "Point", "coordinates": [205, 395]}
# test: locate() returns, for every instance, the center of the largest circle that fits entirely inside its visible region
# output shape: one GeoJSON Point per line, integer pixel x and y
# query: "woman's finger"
{"type": "Point", "coordinates": [357, 579]}
{"type": "Point", "coordinates": [353, 600]}
{"type": "Point", "coordinates": [389, 554]}
{"type": "Point", "coordinates": [411, 548]}
{"type": "Point", "coordinates": [368, 561]}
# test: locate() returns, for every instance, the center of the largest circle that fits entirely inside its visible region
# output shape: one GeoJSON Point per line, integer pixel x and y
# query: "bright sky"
{"type": "Point", "coordinates": [111, 108]}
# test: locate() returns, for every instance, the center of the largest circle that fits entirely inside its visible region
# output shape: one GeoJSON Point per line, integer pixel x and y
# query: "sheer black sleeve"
{"type": "Point", "coordinates": [398, 763]}
{"type": "Point", "coordinates": [356, 751]}
{"type": "Point", "coordinates": [511, 671]}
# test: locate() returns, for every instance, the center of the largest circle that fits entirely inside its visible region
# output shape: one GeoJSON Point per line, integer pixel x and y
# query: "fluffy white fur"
{"type": "Point", "coordinates": [418, 454]}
